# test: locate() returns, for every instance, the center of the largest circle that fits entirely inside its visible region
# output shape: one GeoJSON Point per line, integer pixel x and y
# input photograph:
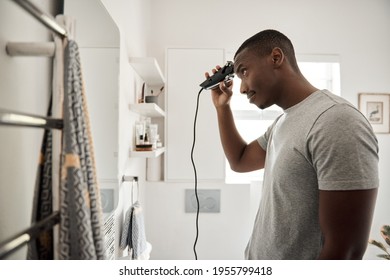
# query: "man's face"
{"type": "Point", "coordinates": [258, 80]}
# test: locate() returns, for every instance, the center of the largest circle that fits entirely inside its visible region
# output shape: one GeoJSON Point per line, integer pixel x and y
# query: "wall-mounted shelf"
{"type": "Point", "coordinates": [148, 154]}
{"type": "Point", "coordinates": [147, 109]}
{"type": "Point", "coordinates": [148, 69]}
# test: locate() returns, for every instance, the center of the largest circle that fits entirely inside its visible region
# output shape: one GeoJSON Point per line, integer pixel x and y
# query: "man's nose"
{"type": "Point", "coordinates": [243, 88]}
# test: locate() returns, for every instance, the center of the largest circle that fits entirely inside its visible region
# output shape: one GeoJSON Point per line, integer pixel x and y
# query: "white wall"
{"type": "Point", "coordinates": [357, 31]}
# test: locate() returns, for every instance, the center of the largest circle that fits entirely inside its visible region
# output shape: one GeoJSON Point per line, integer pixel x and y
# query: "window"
{"type": "Point", "coordinates": [323, 71]}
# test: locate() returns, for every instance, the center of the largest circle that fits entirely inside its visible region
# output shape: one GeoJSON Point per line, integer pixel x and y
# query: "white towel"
{"type": "Point", "coordinates": [145, 255]}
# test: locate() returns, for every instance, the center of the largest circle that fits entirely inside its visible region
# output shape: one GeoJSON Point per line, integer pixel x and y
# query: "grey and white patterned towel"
{"type": "Point", "coordinates": [43, 247]}
{"type": "Point", "coordinates": [133, 233]}
{"type": "Point", "coordinates": [125, 237]}
{"type": "Point", "coordinates": [81, 230]}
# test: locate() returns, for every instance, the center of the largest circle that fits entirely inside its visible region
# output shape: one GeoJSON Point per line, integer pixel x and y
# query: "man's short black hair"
{"type": "Point", "coordinates": [265, 41]}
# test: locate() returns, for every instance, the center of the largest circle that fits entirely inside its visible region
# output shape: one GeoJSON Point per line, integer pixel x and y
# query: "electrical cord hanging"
{"type": "Point", "coordinates": [196, 176]}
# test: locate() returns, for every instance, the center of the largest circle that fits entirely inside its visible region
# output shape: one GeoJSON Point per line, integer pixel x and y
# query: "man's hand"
{"type": "Point", "coordinates": [221, 95]}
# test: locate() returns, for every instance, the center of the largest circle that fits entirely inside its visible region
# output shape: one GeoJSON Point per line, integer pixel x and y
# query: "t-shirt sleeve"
{"type": "Point", "coordinates": [344, 150]}
{"type": "Point", "coordinates": [263, 140]}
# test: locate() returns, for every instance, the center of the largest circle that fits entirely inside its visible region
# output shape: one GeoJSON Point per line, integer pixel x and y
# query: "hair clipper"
{"type": "Point", "coordinates": [226, 73]}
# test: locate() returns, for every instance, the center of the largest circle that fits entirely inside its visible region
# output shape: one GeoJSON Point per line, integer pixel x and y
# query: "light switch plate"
{"type": "Point", "coordinates": [209, 201]}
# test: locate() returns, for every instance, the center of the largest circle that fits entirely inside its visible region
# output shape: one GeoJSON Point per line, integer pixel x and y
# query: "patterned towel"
{"type": "Point", "coordinates": [81, 231]}
{"type": "Point", "coordinates": [42, 247]}
{"type": "Point", "coordinates": [133, 233]}
{"type": "Point", "coordinates": [125, 236]}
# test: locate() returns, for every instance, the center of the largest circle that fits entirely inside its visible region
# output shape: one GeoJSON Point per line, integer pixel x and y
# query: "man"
{"type": "Point", "coordinates": [320, 158]}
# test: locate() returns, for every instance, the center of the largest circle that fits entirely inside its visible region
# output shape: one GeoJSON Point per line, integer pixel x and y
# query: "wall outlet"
{"type": "Point", "coordinates": [209, 201]}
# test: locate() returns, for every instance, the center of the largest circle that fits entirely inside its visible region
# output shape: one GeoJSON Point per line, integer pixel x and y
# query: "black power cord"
{"type": "Point", "coordinates": [196, 176]}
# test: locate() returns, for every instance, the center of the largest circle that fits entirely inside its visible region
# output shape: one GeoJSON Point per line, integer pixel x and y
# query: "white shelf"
{"type": "Point", "coordinates": [148, 154]}
{"type": "Point", "coordinates": [147, 109]}
{"type": "Point", "coordinates": [148, 69]}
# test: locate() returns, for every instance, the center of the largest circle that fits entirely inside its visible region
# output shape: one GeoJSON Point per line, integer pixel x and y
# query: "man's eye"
{"type": "Point", "coordinates": [244, 72]}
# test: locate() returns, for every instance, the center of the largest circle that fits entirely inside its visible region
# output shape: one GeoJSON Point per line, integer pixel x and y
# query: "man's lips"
{"type": "Point", "coordinates": [250, 94]}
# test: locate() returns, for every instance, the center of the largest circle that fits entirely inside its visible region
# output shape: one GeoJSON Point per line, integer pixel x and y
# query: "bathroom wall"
{"type": "Point", "coordinates": [357, 31]}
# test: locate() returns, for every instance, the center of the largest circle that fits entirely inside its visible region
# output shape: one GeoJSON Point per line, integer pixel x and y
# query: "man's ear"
{"type": "Point", "coordinates": [277, 56]}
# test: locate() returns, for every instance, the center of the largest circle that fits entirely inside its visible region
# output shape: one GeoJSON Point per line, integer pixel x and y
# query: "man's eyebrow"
{"type": "Point", "coordinates": [237, 68]}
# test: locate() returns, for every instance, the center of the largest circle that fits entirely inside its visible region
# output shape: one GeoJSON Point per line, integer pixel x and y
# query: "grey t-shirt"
{"type": "Point", "coordinates": [321, 143]}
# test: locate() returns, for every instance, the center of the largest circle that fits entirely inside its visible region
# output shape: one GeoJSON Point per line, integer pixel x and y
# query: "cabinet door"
{"type": "Point", "coordinates": [185, 71]}
{"type": "Point", "coordinates": [101, 73]}
{"type": "Point", "coordinates": [99, 55]}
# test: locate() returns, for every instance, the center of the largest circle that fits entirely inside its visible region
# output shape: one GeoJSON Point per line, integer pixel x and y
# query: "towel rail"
{"type": "Point", "coordinates": [13, 118]}
{"type": "Point", "coordinates": [126, 178]}
{"type": "Point", "coordinates": [46, 49]}
{"type": "Point", "coordinates": [22, 238]}
{"type": "Point", "coordinates": [43, 17]}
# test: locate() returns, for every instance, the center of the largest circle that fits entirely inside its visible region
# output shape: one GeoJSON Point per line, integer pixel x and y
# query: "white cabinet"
{"type": "Point", "coordinates": [185, 71]}
{"type": "Point", "coordinates": [99, 54]}
{"type": "Point", "coordinates": [100, 76]}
